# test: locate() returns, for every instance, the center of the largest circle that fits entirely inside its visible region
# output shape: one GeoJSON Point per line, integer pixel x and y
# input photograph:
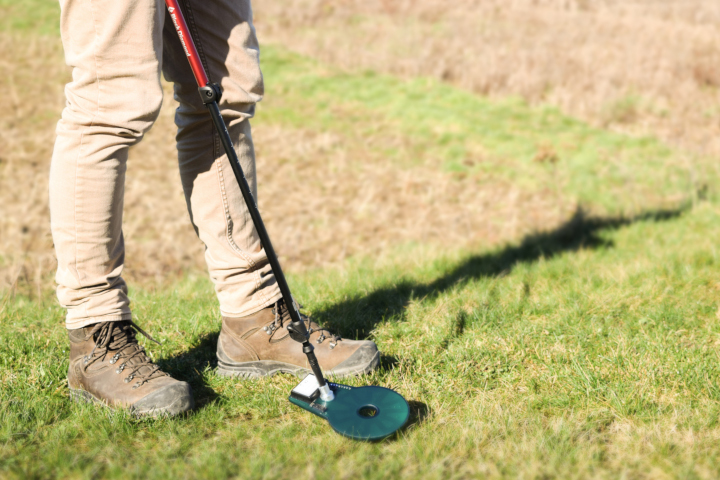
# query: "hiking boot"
{"type": "Point", "coordinates": [259, 345]}
{"type": "Point", "coordinates": [108, 366]}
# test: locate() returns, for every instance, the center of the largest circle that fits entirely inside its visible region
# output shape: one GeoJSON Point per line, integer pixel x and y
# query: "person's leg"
{"type": "Point", "coordinates": [252, 341]}
{"type": "Point", "coordinates": [113, 99]}
{"type": "Point", "coordinates": [225, 38]}
{"type": "Point", "coordinates": [114, 50]}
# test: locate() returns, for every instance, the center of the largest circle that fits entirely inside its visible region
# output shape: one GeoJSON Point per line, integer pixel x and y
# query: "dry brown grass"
{"type": "Point", "coordinates": [28, 113]}
{"type": "Point", "coordinates": [323, 196]}
{"type": "Point", "coordinates": [648, 66]}
{"type": "Point", "coordinates": [641, 65]}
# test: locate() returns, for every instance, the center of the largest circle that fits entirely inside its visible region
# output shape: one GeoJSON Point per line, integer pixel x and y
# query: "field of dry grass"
{"type": "Point", "coordinates": [645, 66]}
{"type": "Point", "coordinates": [336, 197]}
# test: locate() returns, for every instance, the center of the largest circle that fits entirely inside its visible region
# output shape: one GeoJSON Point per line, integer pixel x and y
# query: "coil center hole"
{"type": "Point", "coordinates": [368, 411]}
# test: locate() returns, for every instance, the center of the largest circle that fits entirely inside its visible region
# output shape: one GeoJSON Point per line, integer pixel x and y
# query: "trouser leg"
{"type": "Point", "coordinates": [114, 50]}
{"type": "Point", "coordinates": [225, 37]}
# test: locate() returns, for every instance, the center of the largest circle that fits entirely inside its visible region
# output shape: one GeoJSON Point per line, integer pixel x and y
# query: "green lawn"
{"type": "Point", "coordinates": [591, 350]}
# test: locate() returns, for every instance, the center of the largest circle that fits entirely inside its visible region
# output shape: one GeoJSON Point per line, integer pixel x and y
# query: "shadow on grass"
{"type": "Point", "coordinates": [388, 362]}
{"type": "Point", "coordinates": [581, 231]}
{"type": "Point", "coordinates": [363, 313]}
{"type": "Point", "coordinates": [418, 413]}
{"type": "Point", "coordinates": [190, 365]}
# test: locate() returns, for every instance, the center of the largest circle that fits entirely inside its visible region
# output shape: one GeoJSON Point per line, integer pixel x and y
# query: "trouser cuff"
{"type": "Point", "coordinates": [251, 309]}
{"type": "Point", "coordinates": [85, 322]}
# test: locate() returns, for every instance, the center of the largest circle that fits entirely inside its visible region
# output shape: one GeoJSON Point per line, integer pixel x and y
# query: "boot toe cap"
{"type": "Point", "coordinates": [170, 400]}
{"type": "Point", "coordinates": [364, 360]}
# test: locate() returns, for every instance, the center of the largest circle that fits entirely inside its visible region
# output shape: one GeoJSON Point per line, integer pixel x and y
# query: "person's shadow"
{"type": "Point", "coordinates": [363, 312]}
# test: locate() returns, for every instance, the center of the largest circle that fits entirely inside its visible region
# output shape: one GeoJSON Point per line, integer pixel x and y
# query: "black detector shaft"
{"type": "Point", "coordinates": [298, 330]}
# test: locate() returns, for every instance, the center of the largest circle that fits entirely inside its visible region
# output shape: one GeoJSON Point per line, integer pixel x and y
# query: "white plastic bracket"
{"type": "Point", "coordinates": [326, 394]}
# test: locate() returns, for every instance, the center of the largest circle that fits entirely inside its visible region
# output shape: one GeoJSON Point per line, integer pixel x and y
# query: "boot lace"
{"type": "Point", "coordinates": [282, 316]}
{"type": "Point", "coordinates": [120, 339]}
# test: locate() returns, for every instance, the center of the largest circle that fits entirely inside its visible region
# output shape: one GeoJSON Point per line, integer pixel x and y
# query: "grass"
{"type": "Point", "coordinates": [359, 156]}
{"type": "Point", "coordinates": [465, 133]}
{"type": "Point", "coordinates": [36, 17]}
{"type": "Point", "coordinates": [586, 350]}
{"type": "Point", "coordinates": [614, 64]}
{"type": "Point", "coordinates": [590, 351]}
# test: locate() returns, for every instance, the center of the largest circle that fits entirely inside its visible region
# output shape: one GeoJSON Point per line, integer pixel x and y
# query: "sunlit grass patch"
{"type": "Point", "coordinates": [464, 133]}
{"type": "Point", "coordinates": [30, 17]}
{"type": "Point", "coordinates": [567, 355]}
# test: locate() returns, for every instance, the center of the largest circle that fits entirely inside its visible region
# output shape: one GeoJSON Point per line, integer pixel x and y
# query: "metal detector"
{"type": "Point", "coordinates": [363, 413]}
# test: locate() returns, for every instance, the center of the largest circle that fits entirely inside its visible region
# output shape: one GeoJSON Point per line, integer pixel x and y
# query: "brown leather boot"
{"type": "Point", "coordinates": [259, 345]}
{"type": "Point", "coordinates": [108, 366]}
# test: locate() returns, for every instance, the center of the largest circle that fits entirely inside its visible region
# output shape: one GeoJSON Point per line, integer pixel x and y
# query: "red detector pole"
{"type": "Point", "coordinates": [187, 42]}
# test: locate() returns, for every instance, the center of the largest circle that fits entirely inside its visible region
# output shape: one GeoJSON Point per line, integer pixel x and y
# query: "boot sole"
{"type": "Point", "coordinates": [83, 396]}
{"type": "Point", "coordinates": [268, 368]}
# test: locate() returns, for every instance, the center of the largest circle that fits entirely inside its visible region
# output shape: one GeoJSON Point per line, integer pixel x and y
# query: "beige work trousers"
{"type": "Point", "coordinates": [117, 50]}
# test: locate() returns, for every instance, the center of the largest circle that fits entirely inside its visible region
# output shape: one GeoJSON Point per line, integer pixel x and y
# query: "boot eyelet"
{"type": "Point", "coordinates": [332, 345]}
{"type": "Point", "coordinates": [85, 360]}
{"type": "Point", "coordinates": [120, 369]}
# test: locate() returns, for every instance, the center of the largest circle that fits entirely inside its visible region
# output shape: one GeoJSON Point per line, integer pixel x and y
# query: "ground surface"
{"type": "Point", "coordinates": [545, 290]}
